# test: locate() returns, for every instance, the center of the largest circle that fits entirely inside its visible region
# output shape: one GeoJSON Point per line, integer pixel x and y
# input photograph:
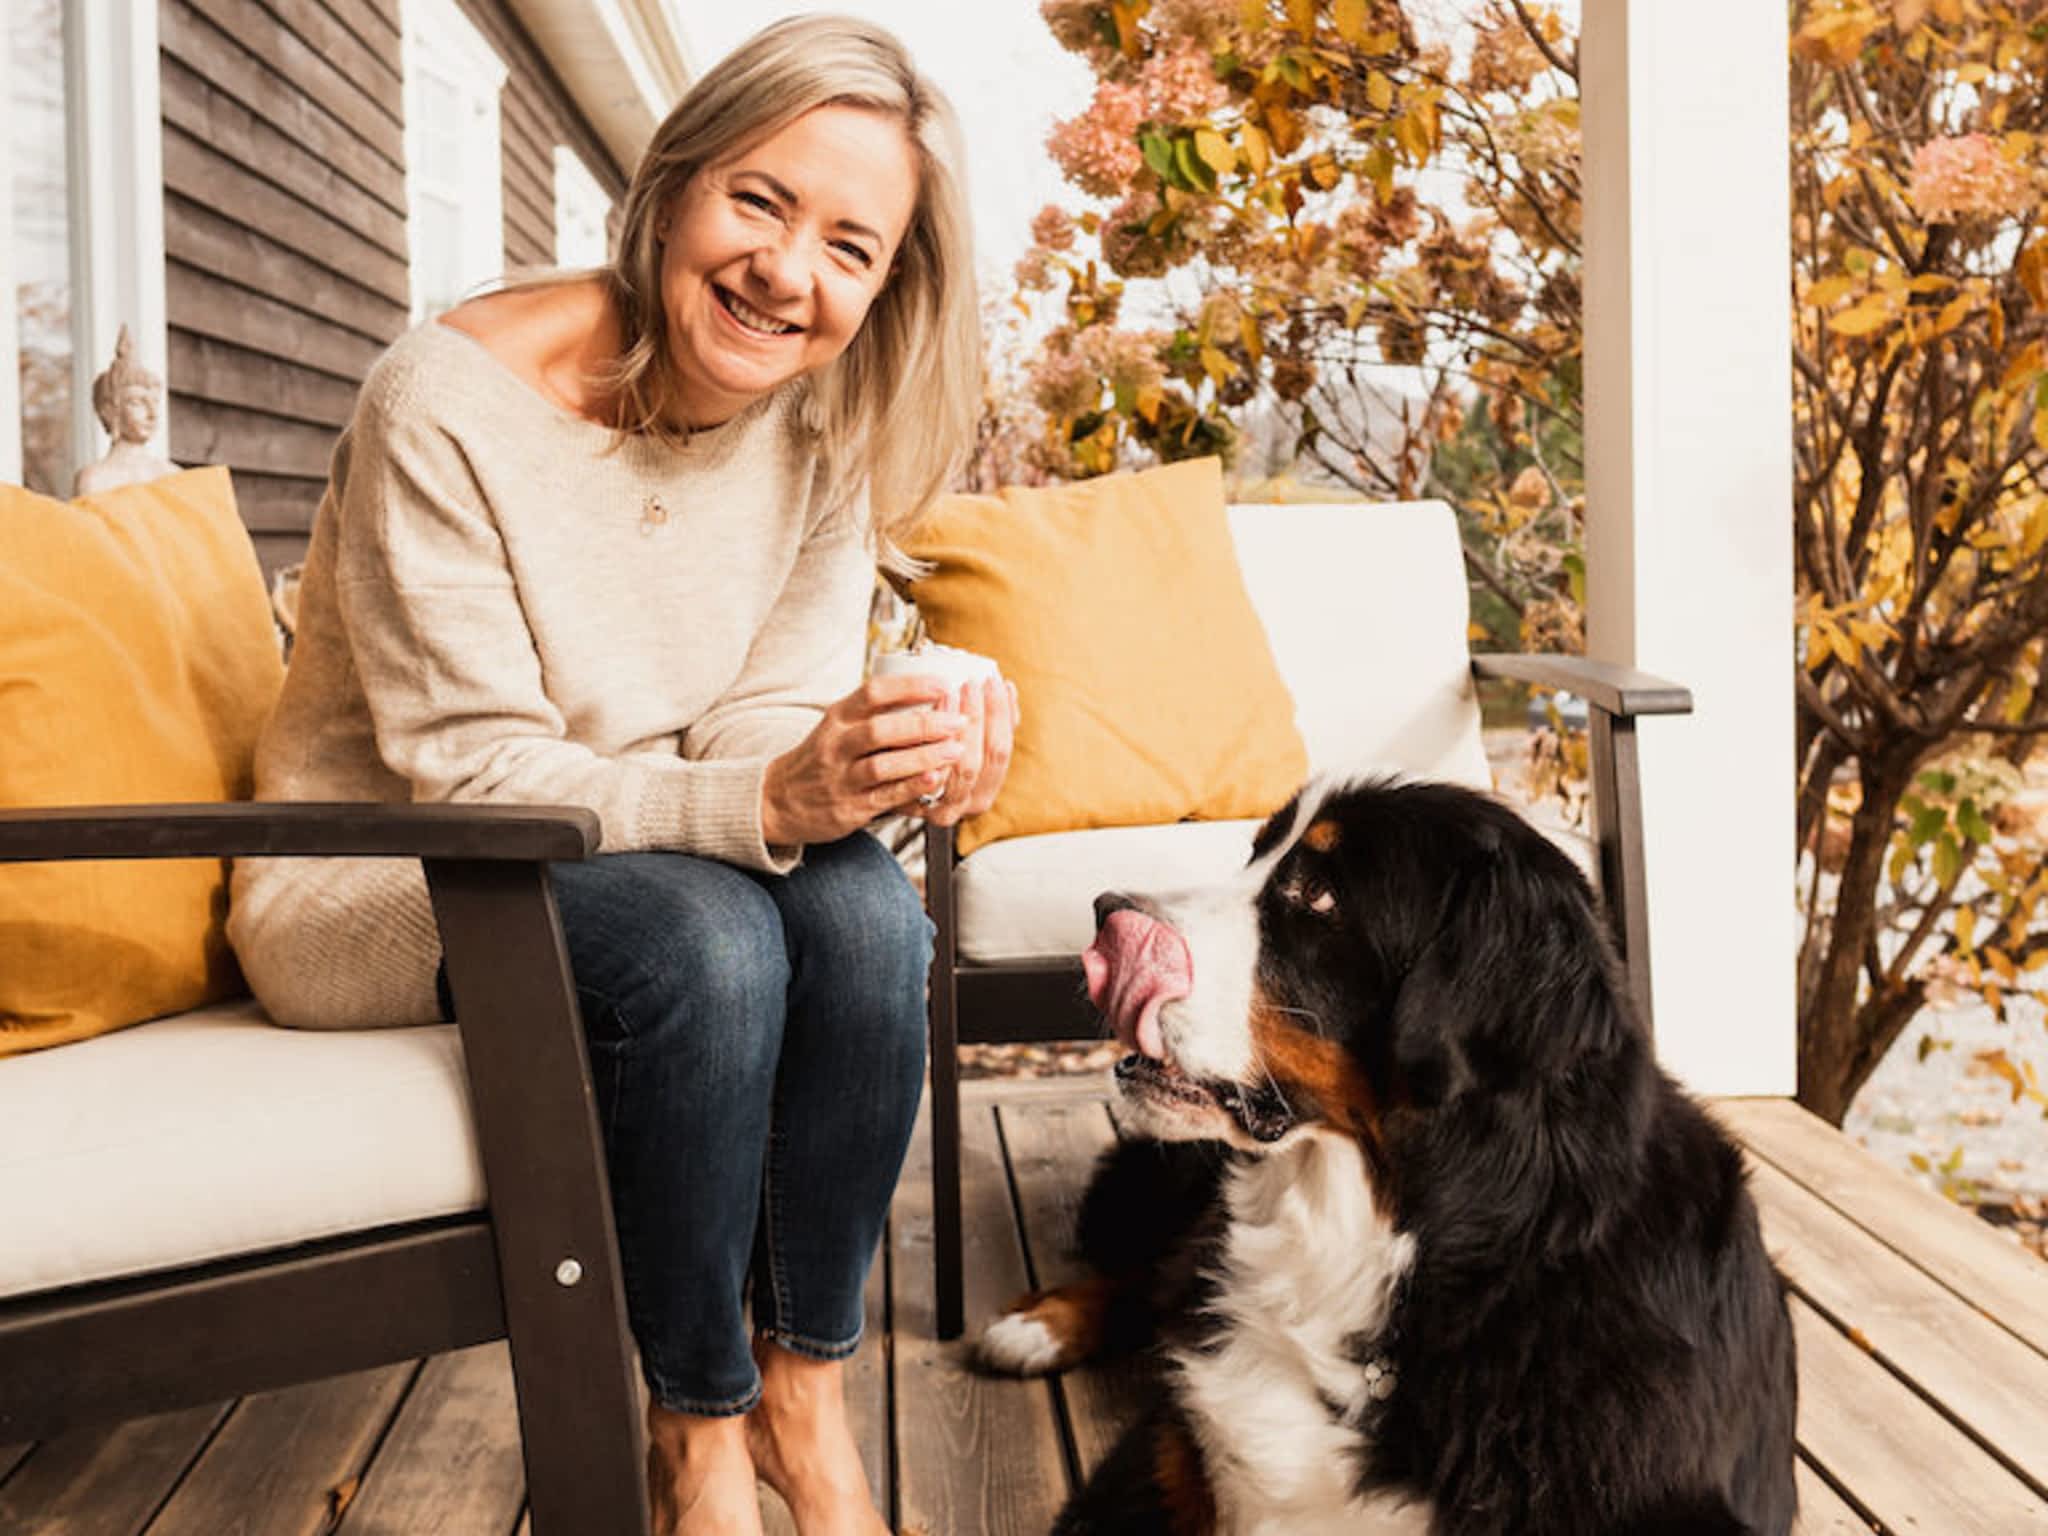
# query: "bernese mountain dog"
{"type": "Point", "coordinates": [1420, 1237]}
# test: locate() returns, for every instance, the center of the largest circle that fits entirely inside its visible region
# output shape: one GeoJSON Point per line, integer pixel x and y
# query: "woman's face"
{"type": "Point", "coordinates": [770, 260]}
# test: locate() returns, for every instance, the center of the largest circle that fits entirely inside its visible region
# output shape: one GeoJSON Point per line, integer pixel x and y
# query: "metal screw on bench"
{"type": "Point", "coordinates": [568, 1272]}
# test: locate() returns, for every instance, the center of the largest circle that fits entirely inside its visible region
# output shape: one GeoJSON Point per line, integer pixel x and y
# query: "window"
{"type": "Point", "coordinates": [454, 177]}
{"type": "Point", "coordinates": [35, 252]}
{"type": "Point", "coordinates": [581, 209]}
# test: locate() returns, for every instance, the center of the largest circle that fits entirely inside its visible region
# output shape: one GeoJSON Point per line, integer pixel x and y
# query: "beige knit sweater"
{"type": "Point", "coordinates": [498, 606]}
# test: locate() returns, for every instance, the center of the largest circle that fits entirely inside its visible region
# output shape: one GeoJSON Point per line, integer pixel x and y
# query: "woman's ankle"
{"type": "Point", "coordinates": [700, 1475]}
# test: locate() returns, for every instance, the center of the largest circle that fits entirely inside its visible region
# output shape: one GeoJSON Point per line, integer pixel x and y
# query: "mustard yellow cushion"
{"type": "Point", "coordinates": [1115, 605]}
{"type": "Point", "coordinates": [137, 664]}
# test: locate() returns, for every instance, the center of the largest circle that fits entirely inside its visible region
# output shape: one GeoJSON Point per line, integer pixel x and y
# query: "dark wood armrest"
{"type": "Point", "coordinates": [249, 829]}
{"type": "Point", "coordinates": [1615, 690]}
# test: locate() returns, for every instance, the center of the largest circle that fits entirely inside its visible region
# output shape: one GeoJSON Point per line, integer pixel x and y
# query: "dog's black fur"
{"type": "Point", "coordinates": [1591, 1340]}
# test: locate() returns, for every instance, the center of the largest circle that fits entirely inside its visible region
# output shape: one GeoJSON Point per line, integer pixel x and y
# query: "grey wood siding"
{"type": "Point", "coordinates": [285, 225]}
{"type": "Point", "coordinates": [284, 237]}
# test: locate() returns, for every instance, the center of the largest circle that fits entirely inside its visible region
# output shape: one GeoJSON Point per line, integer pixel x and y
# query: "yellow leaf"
{"type": "Point", "coordinates": [1349, 18]}
{"type": "Point", "coordinates": [1382, 42]}
{"type": "Point", "coordinates": [1355, 312]}
{"type": "Point", "coordinates": [2021, 370]}
{"type": "Point", "coordinates": [2041, 430]}
{"type": "Point", "coordinates": [1150, 398]}
{"type": "Point", "coordinates": [1408, 133]}
{"type": "Point", "coordinates": [1216, 365]}
{"type": "Point", "coordinates": [1322, 170]}
{"type": "Point", "coordinates": [1301, 15]}
{"type": "Point", "coordinates": [1829, 290]}
{"type": "Point", "coordinates": [1997, 326]}
{"type": "Point", "coordinates": [1248, 332]}
{"type": "Point", "coordinates": [1870, 315]}
{"type": "Point", "coordinates": [1966, 928]}
{"type": "Point", "coordinates": [1908, 14]}
{"type": "Point", "coordinates": [1930, 282]}
{"type": "Point", "coordinates": [1215, 150]}
{"type": "Point", "coordinates": [1379, 91]}
{"type": "Point", "coordinates": [1952, 314]}
{"type": "Point", "coordinates": [1255, 148]}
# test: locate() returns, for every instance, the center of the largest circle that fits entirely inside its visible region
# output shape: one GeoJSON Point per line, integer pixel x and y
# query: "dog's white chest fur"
{"type": "Point", "coordinates": [1308, 1264]}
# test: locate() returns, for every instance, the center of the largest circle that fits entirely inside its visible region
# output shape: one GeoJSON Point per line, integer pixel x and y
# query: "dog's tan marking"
{"type": "Point", "coordinates": [1301, 1061]}
{"type": "Point", "coordinates": [1323, 835]}
{"type": "Point", "coordinates": [1183, 1484]}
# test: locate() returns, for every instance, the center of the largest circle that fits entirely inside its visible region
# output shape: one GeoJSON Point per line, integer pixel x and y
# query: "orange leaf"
{"type": "Point", "coordinates": [2032, 270]}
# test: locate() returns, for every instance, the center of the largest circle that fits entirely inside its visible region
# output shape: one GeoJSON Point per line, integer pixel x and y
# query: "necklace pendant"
{"type": "Point", "coordinates": [653, 513]}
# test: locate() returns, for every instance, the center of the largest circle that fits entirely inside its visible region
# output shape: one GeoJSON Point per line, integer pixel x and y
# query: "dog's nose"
{"type": "Point", "coordinates": [1111, 901]}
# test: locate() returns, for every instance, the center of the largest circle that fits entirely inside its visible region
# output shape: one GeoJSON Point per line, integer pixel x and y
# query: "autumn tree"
{"type": "Point", "coordinates": [1919, 513]}
{"type": "Point", "coordinates": [1321, 208]}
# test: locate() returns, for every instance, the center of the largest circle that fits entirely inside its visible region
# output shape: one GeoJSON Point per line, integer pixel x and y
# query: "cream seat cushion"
{"type": "Point", "coordinates": [216, 1133]}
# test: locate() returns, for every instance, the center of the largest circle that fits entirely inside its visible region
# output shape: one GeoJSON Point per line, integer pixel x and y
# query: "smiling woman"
{"type": "Point", "coordinates": [608, 539]}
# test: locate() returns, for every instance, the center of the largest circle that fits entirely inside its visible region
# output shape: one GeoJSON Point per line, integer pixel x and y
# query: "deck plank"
{"type": "Point", "coordinates": [1053, 1144]}
{"type": "Point", "coordinates": [1824, 1512]}
{"type": "Point", "coordinates": [104, 1481]}
{"type": "Point", "coordinates": [451, 1463]}
{"type": "Point", "coordinates": [975, 1453]}
{"type": "Point", "coordinates": [1907, 1464]}
{"type": "Point", "coordinates": [288, 1461]}
{"type": "Point", "coordinates": [1994, 1385]}
{"type": "Point", "coordinates": [1958, 1249]}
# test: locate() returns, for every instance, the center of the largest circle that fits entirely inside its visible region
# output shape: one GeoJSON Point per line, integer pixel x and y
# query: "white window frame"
{"type": "Point", "coordinates": [582, 212]}
{"type": "Point", "coordinates": [115, 206]}
{"type": "Point", "coordinates": [442, 41]}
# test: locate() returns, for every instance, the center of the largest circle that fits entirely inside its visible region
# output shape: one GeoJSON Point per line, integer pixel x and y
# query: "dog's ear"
{"type": "Point", "coordinates": [1429, 1059]}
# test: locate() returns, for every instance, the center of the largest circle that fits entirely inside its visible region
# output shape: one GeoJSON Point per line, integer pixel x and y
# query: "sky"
{"type": "Point", "coordinates": [998, 64]}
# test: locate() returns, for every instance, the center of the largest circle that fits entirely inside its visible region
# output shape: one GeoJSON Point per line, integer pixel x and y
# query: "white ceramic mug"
{"type": "Point", "coordinates": [954, 669]}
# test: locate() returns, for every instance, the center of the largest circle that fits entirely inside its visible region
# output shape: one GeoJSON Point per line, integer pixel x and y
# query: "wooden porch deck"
{"type": "Point", "coordinates": [1923, 1341]}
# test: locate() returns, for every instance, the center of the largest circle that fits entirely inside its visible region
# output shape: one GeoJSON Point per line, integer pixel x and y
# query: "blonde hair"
{"type": "Point", "coordinates": [895, 411]}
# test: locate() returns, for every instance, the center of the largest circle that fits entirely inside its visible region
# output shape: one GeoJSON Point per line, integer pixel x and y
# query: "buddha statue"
{"type": "Point", "coordinates": [128, 401]}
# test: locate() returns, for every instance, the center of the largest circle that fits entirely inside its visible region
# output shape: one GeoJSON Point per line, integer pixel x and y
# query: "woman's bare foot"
{"type": "Point", "coordinates": [700, 1477]}
{"type": "Point", "coordinates": [804, 1448]}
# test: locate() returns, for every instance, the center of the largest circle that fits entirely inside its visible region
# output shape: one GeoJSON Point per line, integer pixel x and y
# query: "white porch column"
{"type": "Point", "coordinates": [1688, 494]}
{"type": "Point", "coordinates": [114, 117]}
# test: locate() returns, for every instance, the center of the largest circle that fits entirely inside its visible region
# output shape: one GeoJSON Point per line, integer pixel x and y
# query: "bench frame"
{"type": "Point", "coordinates": [1046, 999]}
{"type": "Point", "coordinates": [539, 1266]}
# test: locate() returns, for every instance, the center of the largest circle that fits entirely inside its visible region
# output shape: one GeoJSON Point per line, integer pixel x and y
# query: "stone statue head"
{"type": "Point", "coordinates": [126, 397]}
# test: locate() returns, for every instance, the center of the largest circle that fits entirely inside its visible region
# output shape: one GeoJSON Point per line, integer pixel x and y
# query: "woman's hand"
{"type": "Point", "coordinates": [991, 732]}
{"type": "Point", "coordinates": [875, 751]}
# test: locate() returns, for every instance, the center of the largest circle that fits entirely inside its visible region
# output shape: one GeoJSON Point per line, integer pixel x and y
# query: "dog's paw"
{"type": "Point", "coordinates": [1018, 1344]}
{"type": "Point", "coordinates": [1043, 1332]}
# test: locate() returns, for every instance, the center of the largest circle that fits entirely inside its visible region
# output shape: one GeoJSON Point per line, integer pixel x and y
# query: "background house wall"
{"type": "Point", "coordinates": [285, 224]}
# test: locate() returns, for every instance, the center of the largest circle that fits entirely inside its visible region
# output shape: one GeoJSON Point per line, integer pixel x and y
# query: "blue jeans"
{"type": "Point", "coordinates": [757, 1046]}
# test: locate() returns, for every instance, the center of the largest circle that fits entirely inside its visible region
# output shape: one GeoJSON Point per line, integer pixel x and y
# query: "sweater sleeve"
{"type": "Point", "coordinates": [809, 654]}
{"type": "Point", "coordinates": [450, 671]}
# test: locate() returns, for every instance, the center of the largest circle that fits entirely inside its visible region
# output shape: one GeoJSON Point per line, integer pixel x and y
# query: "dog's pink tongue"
{"type": "Point", "coordinates": [1135, 967]}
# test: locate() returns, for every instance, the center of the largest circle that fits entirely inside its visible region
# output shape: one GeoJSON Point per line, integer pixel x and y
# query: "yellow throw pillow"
{"type": "Point", "coordinates": [137, 664]}
{"type": "Point", "coordinates": [1116, 606]}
